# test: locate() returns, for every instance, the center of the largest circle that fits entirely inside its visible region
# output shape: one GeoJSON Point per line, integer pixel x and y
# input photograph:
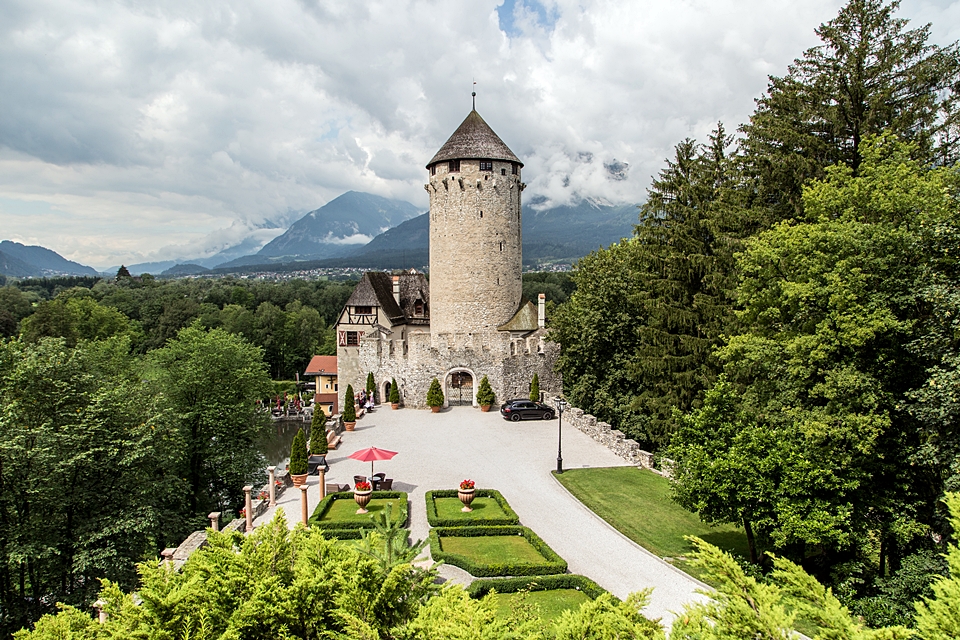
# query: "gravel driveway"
{"type": "Point", "coordinates": [437, 451]}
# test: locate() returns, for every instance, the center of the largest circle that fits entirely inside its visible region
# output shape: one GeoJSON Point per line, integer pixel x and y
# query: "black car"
{"type": "Point", "coordinates": [523, 409]}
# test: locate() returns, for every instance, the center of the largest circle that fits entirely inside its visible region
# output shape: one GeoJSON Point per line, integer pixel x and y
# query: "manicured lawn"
{"type": "Point", "coordinates": [493, 549]}
{"type": "Point", "coordinates": [483, 508]}
{"type": "Point", "coordinates": [637, 503]}
{"type": "Point", "coordinates": [551, 603]}
{"type": "Point", "coordinates": [346, 510]}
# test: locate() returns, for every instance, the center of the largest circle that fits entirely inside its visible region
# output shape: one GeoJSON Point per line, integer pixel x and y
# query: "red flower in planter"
{"type": "Point", "coordinates": [467, 484]}
{"type": "Point", "coordinates": [362, 486]}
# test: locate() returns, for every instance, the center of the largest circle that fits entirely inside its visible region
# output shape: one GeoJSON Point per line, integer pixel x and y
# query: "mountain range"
{"type": "Point", "coordinates": [362, 230]}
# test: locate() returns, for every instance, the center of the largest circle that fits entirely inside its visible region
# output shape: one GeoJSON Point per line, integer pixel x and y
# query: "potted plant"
{"type": "Point", "coordinates": [361, 494]}
{"type": "Point", "coordinates": [535, 388]}
{"type": "Point", "coordinates": [394, 394]}
{"type": "Point", "coordinates": [485, 395]}
{"type": "Point", "coordinates": [371, 386]}
{"type": "Point", "coordinates": [465, 493]}
{"type": "Point", "coordinates": [318, 434]}
{"type": "Point", "coordinates": [349, 409]}
{"type": "Point", "coordinates": [298, 459]}
{"type": "Point", "coordinates": [435, 396]}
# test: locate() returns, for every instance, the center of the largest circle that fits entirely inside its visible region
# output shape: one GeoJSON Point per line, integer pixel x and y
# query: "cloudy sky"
{"type": "Point", "coordinates": [140, 130]}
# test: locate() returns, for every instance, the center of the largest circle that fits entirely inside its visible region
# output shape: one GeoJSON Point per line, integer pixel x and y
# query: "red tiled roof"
{"type": "Point", "coordinates": [326, 365]}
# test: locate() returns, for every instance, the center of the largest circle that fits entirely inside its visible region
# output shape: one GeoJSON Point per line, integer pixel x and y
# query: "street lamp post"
{"type": "Point", "coordinates": [561, 404]}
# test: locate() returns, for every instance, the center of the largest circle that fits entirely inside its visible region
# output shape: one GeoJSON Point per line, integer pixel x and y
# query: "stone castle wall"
{"type": "Point", "coordinates": [508, 363]}
{"type": "Point", "coordinates": [475, 247]}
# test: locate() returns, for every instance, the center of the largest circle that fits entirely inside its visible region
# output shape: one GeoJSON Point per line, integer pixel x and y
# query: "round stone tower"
{"type": "Point", "coordinates": [475, 240]}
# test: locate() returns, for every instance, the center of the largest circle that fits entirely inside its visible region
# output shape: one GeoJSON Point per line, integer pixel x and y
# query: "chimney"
{"type": "Point", "coordinates": [396, 288]}
{"type": "Point", "coordinates": [542, 310]}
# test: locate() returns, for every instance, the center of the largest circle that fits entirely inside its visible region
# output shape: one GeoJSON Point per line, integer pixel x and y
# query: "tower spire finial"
{"type": "Point", "coordinates": [474, 95]}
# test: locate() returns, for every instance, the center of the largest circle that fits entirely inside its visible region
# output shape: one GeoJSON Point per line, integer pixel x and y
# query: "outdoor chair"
{"type": "Point", "coordinates": [334, 487]}
{"type": "Point", "coordinates": [386, 484]}
{"type": "Point", "coordinates": [357, 479]}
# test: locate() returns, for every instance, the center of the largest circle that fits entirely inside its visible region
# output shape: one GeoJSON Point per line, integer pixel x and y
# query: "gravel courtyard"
{"type": "Point", "coordinates": [437, 451]}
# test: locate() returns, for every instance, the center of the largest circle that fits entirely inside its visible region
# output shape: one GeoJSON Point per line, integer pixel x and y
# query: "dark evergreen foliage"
{"type": "Point", "coordinates": [298, 454]}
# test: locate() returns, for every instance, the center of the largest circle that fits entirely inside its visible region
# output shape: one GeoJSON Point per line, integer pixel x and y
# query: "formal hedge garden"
{"type": "Point", "coordinates": [480, 555]}
{"type": "Point", "coordinates": [480, 588]}
{"type": "Point", "coordinates": [490, 508]}
{"type": "Point", "coordinates": [332, 513]}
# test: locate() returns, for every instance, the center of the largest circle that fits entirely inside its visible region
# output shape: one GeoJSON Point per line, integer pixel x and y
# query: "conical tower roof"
{"type": "Point", "coordinates": [474, 140]}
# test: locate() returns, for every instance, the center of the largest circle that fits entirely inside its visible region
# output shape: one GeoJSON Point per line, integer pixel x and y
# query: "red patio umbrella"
{"type": "Point", "coordinates": [370, 454]}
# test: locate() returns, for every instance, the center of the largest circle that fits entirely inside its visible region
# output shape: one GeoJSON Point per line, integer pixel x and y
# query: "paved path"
{"type": "Point", "coordinates": [437, 451]}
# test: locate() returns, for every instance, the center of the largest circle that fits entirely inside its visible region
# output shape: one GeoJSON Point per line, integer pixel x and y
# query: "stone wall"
{"type": "Point", "coordinates": [614, 440]}
{"type": "Point", "coordinates": [509, 363]}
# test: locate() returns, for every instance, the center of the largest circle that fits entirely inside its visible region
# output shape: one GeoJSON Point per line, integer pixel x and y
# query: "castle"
{"type": "Point", "coordinates": [470, 319]}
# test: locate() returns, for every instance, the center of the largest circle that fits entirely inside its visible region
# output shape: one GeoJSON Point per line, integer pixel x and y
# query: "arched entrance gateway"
{"type": "Point", "coordinates": [385, 398]}
{"type": "Point", "coordinates": [460, 388]}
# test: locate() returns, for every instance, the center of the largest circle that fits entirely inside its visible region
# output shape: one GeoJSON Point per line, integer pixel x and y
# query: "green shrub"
{"type": "Point", "coordinates": [485, 394]}
{"type": "Point", "coordinates": [535, 389]}
{"type": "Point", "coordinates": [480, 588]}
{"type": "Point", "coordinates": [298, 454]}
{"type": "Point", "coordinates": [552, 563]}
{"type": "Point", "coordinates": [327, 502]}
{"type": "Point", "coordinates": [394, 392]}
{"type": "Point", "coordinates": [435, 394]}
{"type": "Point", "coordinates": [343, 534]}
{"type": "Point", "coordinates": [436, 521]}
{"type": "Point", "coordinates": [349, 405]}
{"type": "Point", "coordinates": [371, 385]}
{"type": "Point", "coordinates": [318, 432]}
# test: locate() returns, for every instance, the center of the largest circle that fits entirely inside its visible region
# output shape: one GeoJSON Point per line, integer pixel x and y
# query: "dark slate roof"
{"type": "Point", "coordinates": [375, 289]}
{"type": "Point", "coordinates": [474, 139]}
{"type": "Point", "coordinates": [525, 319]}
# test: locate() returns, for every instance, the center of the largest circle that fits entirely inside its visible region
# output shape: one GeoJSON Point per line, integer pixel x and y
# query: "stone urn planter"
{"type": "Point", "coordinates": [484, 408]}
{"type": "Point", "coordinates": [435, 409]}
{"type": "Point", "coordinates": [362, 498]}
{"type": "Point", "coordinates": [350, 426]}
{"type": "Point", "coordinates": [298, 478]}
{"type": "Point", "coordinates": [394, 405]}
{"type": "Point", "coordinates": [466, 497]}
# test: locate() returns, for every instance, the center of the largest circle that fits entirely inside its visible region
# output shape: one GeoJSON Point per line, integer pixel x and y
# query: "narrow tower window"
{"type": "Point", "coordinates": [433, 169]}
{"type": "Point", "coordinates": [481, 214]}
{"type": "Point", "coordinates": [486, 165]}
{"type": "Point", "coordinates": [503, 172]}
{"type": "Point", "coordinates": [501, 246]}
{"type": "Point", "coordinates": [454, 166]}
{"type": "Point", "coordinates": [515, 169]}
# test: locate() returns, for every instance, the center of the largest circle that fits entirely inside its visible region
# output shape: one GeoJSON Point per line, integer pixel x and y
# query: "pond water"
{"type": "Point", "coordinates": [275, 445]}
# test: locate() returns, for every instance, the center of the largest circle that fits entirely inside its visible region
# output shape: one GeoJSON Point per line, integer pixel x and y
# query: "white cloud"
{"type": "Point", "coordinates": [134, 129]}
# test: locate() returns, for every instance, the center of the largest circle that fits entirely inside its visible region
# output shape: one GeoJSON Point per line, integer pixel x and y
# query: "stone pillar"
{"type": "Point", "coordinates": [248, 507]}
{"type": "Point", "coordinates": [100, 606]}
{"type": "Point", "coordinates": [273, 486]}
{"type": "Point", "coordinates": [167, 555]}
{"type": "Point", "coordinates": [323, 482]}
{"type": "Point", "coordinates": [542, 310]}
{"type": "Point", "coordinates": [303, 504]}
{"type": "Point", "coordinates": [214, 520]}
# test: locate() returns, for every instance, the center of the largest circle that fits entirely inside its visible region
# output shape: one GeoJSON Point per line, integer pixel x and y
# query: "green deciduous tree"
{"type": "Point", "coordinates": [938, 617]}
{"type": "Point", "coordinates": [209, 383]}
{"type": "Point", "coordinates": [84, 474]}
{"type": "Point", "coordinates": [74, 319]}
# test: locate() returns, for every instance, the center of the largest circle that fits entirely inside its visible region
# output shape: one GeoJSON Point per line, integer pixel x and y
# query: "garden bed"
{"type": "Point", "coordinates": [490, 508]}
{"type": "Point", "coordinates": [480, 588]}
{"type": "Point", "coordinates": [549, 604]}
{"type": "Point", "coordinates": [495, 551]}
{"type": "Point", "coordinates": [339, 511]}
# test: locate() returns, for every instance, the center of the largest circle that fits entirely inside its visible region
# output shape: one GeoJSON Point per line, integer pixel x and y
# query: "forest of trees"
{"type": "Point", "coordinates": [783, 323]}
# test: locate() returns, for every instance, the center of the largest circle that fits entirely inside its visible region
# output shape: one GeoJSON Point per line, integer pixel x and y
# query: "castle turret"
{"type": "Point", "coordinates": [475, 238]}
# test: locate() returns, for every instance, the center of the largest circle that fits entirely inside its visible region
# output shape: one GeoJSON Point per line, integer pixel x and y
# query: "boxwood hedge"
{"type": "Point", "coordinates": [436, 521]}
{"type": "Point", "coordinates": [327, 502]}
{"type": "Point", "coordinates": [551, 564]}
{"type": "Point", "coordinates": [480, 588]}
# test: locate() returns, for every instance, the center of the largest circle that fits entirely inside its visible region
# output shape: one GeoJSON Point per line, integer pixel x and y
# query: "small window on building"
{"type": "Point", "coordinates": [503, 172]}
{"type": "Point", "coordinates": [418, 308]}
{"type": "Point", "coordinates": [353, 339]}
{"type": "Point", "coordinates": [501, 246]}
{"type": "Point", "coordinates": [363, 311]}
{"type": "Point", "coordinates": [481, 214]}
{"type": "Point", "coordinates": [486, 165]}
{"type": "Point", "coordinates": [433, 169]}
{"type": "Point", "coordinates": [516, 169]}
{"type": "Point", "coordinates": [454, 166]}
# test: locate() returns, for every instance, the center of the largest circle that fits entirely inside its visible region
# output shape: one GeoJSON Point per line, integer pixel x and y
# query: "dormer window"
{"type": "Point", "coordinates": [486, 165]}
{"type": "Point", "coordinates": [454, 166]}
{"type": "Point", "coordinates": [418, 307]}
{"type": "Point", "coordinates": [363, 311]}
